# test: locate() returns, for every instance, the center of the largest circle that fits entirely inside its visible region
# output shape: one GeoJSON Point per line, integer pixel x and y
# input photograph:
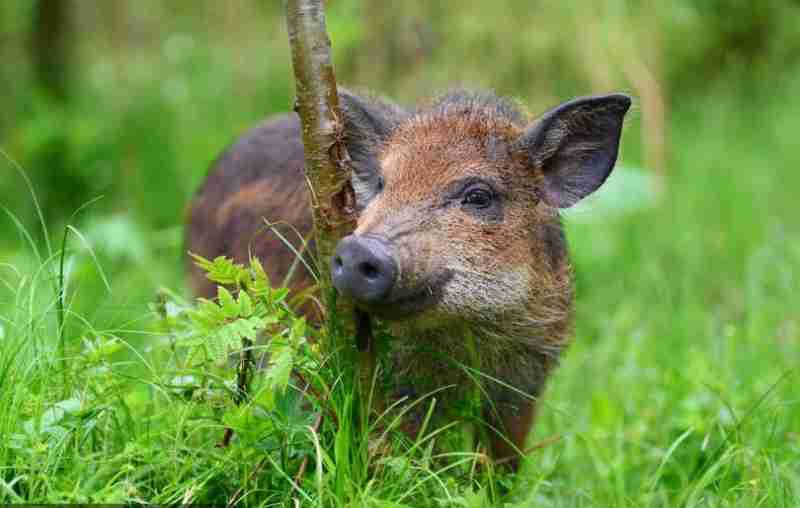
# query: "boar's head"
{"type": "Point", "coordinates": [459, 206]}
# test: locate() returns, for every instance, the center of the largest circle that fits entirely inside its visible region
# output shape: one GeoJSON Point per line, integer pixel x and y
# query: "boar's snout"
{"type": "Point", "coordinates": [364, 268]}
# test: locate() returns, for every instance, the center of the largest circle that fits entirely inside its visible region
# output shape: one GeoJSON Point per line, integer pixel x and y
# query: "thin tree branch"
{"type": "Point", "coordinates": [326, 163]}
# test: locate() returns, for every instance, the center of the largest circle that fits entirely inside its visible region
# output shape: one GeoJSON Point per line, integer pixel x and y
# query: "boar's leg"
{"type": "Point", "coordinates": [514, 421]}
{"type": "Point", "coordinates": [259, 178]}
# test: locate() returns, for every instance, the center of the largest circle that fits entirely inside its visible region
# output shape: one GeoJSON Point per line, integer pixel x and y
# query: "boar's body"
{"type": "Point", "coordinates": [458, 244]}
{"type": "Point", "coordinates": [259, 178]}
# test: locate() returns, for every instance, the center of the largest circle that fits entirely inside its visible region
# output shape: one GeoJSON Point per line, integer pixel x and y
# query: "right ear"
{"type": "Point", "coordinates": [575, 146]}
{"type": "Point", "coordinates": [368, 123]}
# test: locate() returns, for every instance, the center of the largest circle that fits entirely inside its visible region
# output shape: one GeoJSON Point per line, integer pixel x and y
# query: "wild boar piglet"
{"type": "Point", "coordinates": [458, 245]}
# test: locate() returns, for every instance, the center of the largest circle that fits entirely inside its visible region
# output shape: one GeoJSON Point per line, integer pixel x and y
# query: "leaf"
{"type": "Point", "coordinates": [52, 416]}
{"type": "Point", "coordinates": [190, 341]}
{"type": "Point", "coordinates": [237, 417]}
{"type": "Point", "coordinates": [217, 345]}
{"type": "Point", "coordinates": [245, 304]}
{"type": "Point", "coordinates": [207, 315]}
{"type": "Point", "coordinates": [247, 328]}
{"type": "Point", "coordinates": [281, 362]}
{"type": "Point", "coordinates": [221, 270]}
{"type": "Point", "coordinates": [229, 336]}
{"type": "Point", "coordinates": [281, 368]}
{"type": "Point", "coordinates": [259, 281]}
{"type": "Point", "coordinates": [230, 309]}
{"type": "Point", "coordinates": [297, 333]}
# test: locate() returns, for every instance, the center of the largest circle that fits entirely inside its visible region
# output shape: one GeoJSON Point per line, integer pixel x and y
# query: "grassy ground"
{"type": "Point", "coordinates": [680, 388]}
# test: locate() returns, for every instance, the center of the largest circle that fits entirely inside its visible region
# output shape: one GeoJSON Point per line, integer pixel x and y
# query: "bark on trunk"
{"type": "Point", "coordinates": [318, 107]}
{"type": "Point", "coordinates": [326, 164]}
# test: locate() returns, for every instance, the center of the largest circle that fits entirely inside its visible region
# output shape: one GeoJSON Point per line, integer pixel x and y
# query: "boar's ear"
{"type": "Point", "coordinates": [575, 146]}
{"type": "Point", "coordinates": [367, 124]}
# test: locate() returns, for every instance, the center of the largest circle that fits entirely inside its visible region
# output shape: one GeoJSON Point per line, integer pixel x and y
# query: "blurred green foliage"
{"type": "Point", "coordinates": [157, 89]}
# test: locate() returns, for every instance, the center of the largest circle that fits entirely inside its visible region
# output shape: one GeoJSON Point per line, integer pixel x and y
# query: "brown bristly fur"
{"type": "Point", "coordinates": [497, 284]}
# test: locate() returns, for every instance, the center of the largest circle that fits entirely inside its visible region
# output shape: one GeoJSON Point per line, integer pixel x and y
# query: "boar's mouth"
{"type": "Point", "coordinates": [406, 303]}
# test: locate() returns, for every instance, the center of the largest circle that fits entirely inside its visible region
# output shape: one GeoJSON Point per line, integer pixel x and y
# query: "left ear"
{"type": "Point", "coordinates": [575, 146]}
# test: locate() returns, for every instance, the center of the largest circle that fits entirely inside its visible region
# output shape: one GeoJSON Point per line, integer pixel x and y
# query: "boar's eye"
{"type": "Point", "coordinates": [477, 197]}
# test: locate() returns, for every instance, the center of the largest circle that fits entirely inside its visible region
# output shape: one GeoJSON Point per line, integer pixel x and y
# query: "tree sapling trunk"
{"type": "Point", "coordinates": [327, 169]}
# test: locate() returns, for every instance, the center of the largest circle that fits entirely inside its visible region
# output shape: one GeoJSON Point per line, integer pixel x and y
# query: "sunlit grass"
{"type": "Point", "coordinates": [678, 390]}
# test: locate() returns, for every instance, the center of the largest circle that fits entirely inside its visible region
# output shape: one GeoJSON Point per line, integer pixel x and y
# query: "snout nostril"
{"type": "Point", "coordinates": [369, 270]}
{"type": "Point", "coordinates": [363, 268]}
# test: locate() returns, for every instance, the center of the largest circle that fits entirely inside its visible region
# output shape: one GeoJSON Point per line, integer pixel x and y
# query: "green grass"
{"type": "Point", "coordinates": [112, 423]}
{"type": "Point", "coordinates": [679, 390]}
